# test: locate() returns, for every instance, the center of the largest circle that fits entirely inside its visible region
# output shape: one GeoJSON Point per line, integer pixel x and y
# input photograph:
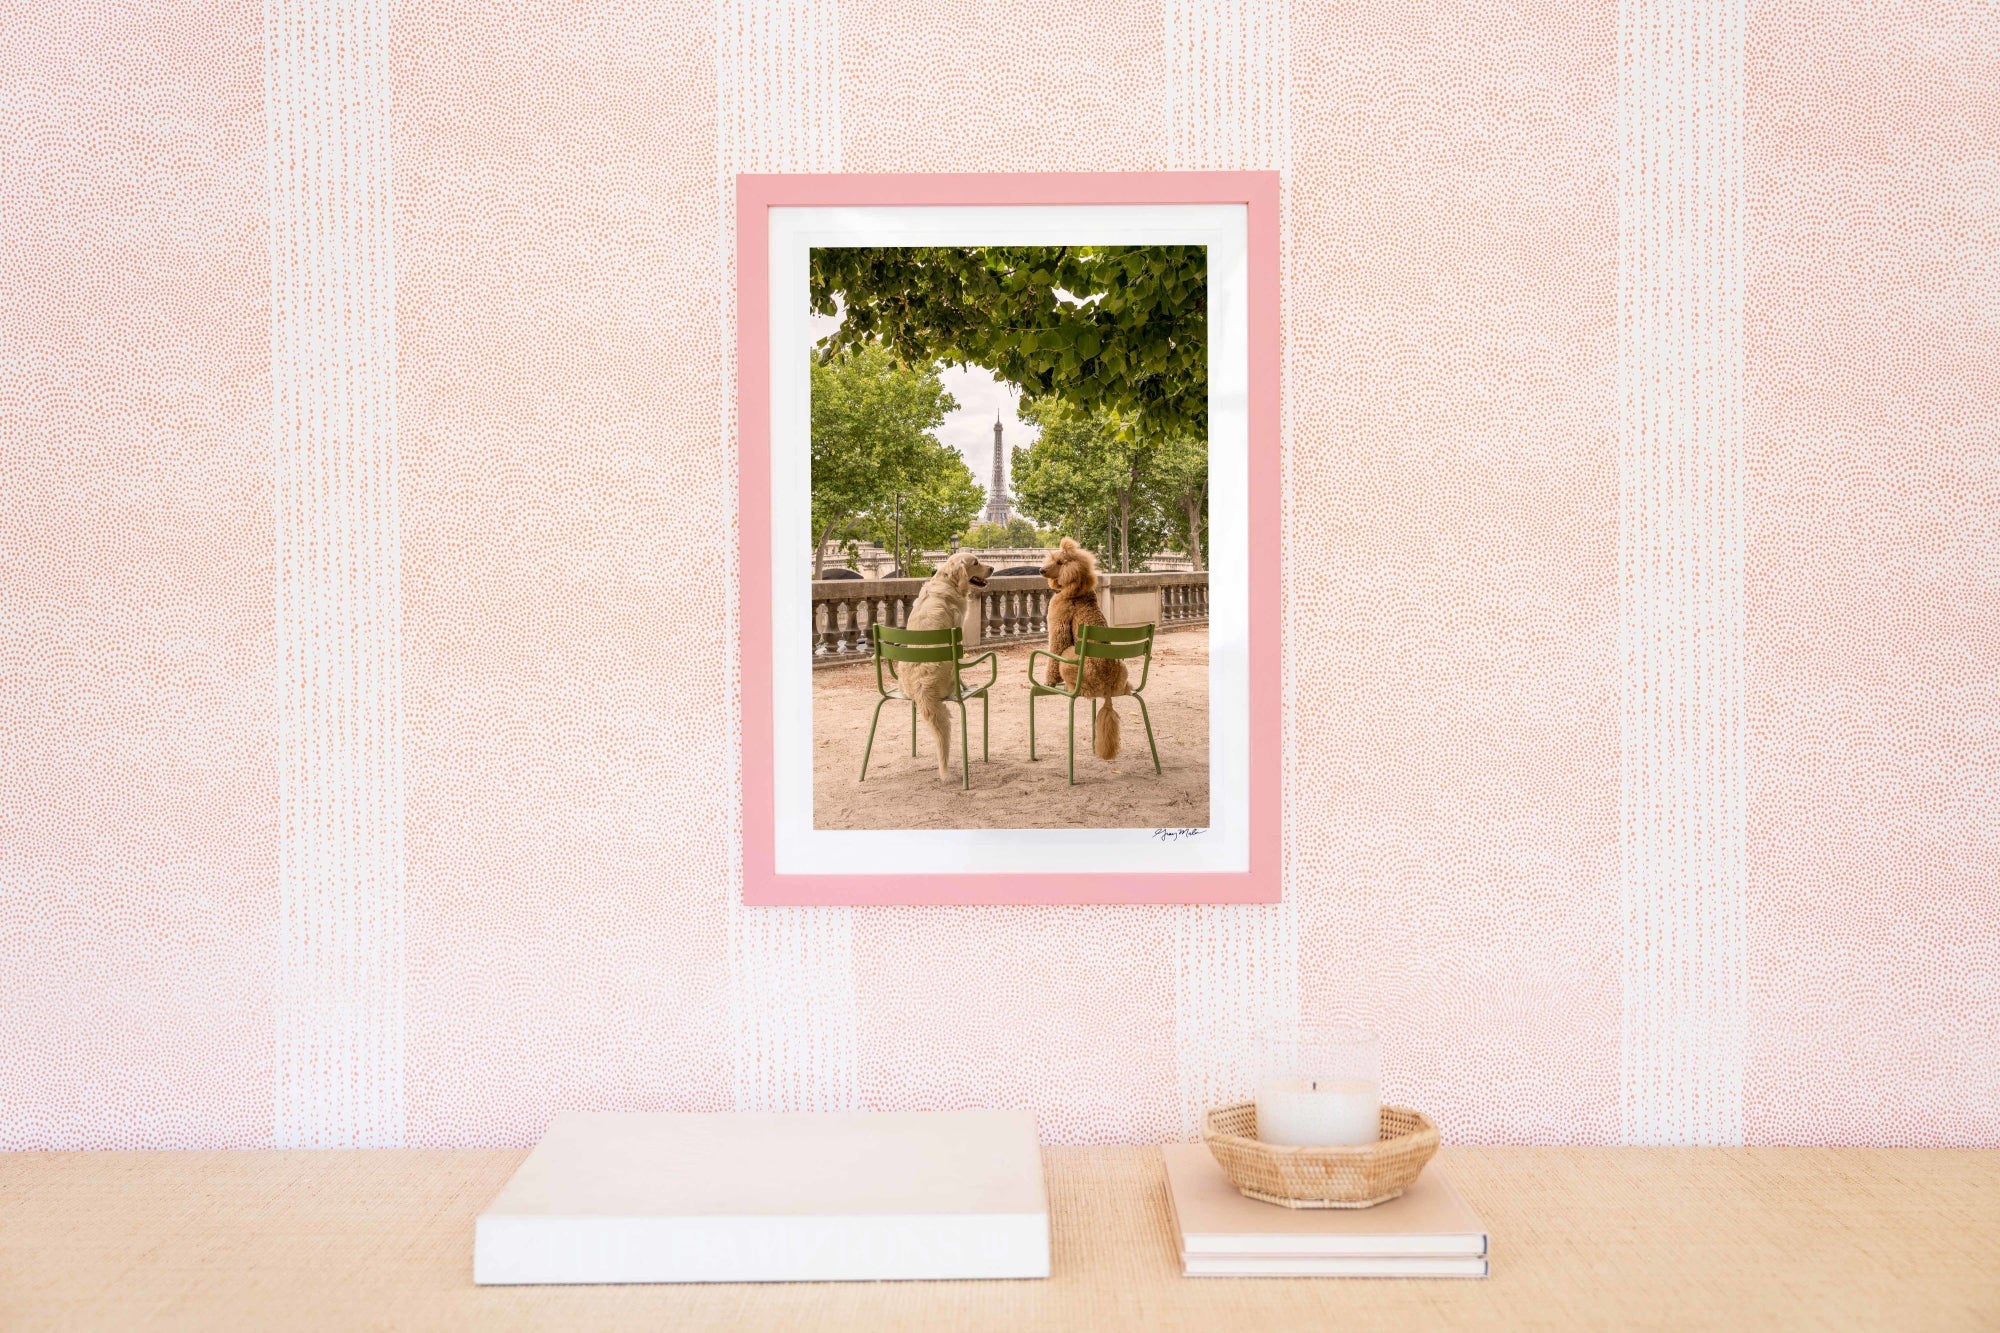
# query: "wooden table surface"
{"type": "Point", "coordinates": [1593, 1238]}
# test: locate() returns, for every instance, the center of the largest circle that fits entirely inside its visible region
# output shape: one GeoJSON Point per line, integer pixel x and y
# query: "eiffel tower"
{"type": "Point", "coordinates": [998, 507]}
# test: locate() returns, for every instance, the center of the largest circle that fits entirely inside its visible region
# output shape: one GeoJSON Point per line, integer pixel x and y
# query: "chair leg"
{"type": "Point", "coordinates": [964, 750]}
{"type": "Point", "coordinates": [1093, 729]}
{"type": "Point", "coordinates": [1147, 718]}
{"type": "Point", "coordinates": [913, 729]}
{"type": "Point", "coordinates": [1032, 696]}
{"type": "Point", "coordinates": [1072, 740]}
{"type": "Point", "coordinates": [873, 723]}
{"type": "Point", "coordinates": [985, 729]}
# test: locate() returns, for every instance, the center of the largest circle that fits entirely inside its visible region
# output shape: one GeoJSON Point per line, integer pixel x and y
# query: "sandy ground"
{"type": "Point", "coordinates": [1008, 791]}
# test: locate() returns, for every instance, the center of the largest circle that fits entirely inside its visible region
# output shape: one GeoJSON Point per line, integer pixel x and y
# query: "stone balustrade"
{"type": "Point", "coordinates": [1011, 610]}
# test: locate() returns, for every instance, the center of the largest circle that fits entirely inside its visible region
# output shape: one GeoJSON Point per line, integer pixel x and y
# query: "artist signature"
{"type": "Point", "coordinates": [1176, 834]}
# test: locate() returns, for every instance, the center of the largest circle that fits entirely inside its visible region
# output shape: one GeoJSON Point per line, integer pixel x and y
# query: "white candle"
{"type": "Point", "coordinates": [1319, 1111]}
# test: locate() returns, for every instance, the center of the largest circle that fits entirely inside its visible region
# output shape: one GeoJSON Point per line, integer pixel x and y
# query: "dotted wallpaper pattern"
{"type": "Point", "coordinates": [567, 597]}
{"type": "Point", "coordinates": [341, 912]}
{"type": "Point", "coordinates": [1680, 572]}
{"type": "Point", "coordinates": [367, 662]}
{"type": "Point", "coordinates": [139, 824]}
{"type": "Point", "coordinates": [1872, 600]}
{"type": "Point", "coordinates": [1452, 768]}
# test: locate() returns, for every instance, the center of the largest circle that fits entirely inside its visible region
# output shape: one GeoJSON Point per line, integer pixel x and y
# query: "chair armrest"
{"type": "Point", "coordinates": [992, 666]}
{"type": "Point", "coordinates": [1076, 662]}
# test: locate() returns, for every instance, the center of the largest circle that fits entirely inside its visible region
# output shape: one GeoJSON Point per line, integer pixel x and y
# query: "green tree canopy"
{"type": "Point", "coordinates": [938, 498]}
{"type": "Point", "coordinates": [875, 459]}
{"type": "Point", "coordinates": [1125, 496]}
{"type": "Point", "coordinates": [1090, 478]}
{"type": "Point", "coordinates": [1015, 533]}
{"type": "Point", "coordinates": [1179, 482]}
{"type": "Point", "coordinates": [1118, 330]}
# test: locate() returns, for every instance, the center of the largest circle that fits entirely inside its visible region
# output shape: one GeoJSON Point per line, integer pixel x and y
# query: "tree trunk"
{"type": "Point", "coordinates": [819, 553]}
{"type": "Point", "coordinates": [819, 548]}
{"type": "Point", "coordinates": [1125, 532]}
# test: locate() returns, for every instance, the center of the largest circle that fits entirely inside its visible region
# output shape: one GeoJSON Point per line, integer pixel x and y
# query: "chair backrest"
{"type": "Point", "coordinates": [1114, 640]}
{"type": "Point", "coordinates": [918, 645]}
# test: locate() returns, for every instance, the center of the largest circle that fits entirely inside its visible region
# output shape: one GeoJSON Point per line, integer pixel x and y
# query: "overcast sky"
{"type": "Point", "coordinates": [970, 429]}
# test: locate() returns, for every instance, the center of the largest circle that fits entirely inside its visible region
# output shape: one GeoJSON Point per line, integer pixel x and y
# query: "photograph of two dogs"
{"type": "Point", "coordinates": [917, 782]}
{"type": "Point", "coordinates": [1071, 572]}
{"type": "Point", "coordinates": [1088, 364]}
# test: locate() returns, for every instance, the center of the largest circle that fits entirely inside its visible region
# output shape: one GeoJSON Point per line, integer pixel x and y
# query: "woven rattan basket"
{"type": "Point", "coordinates": [1347, 1177]}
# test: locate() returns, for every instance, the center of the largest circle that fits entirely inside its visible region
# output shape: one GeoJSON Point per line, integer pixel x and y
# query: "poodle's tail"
{"type": "Point", "coordinates": [1107, 730]}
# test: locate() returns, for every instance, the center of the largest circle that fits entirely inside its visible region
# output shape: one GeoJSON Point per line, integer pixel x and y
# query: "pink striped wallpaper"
{"type": "Point", "coordinates": [367, 672]}
{"type": "Point", "coordinates": [1872, 336]}
{"type": "Point", "coordinates": [138, 581]}
{"type": "Point", "coordinates": [1454, 525]}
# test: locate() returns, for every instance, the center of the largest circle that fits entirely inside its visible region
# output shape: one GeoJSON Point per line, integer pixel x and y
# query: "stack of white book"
{"type": "Point", "coordinates": [747, 1197]}
{"type": "Point", "coordinates": [1429, 1232]}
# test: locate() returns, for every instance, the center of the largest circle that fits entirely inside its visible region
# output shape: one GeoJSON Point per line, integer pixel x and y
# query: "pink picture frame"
{"type": "Point", "coordinates": [763, 883]}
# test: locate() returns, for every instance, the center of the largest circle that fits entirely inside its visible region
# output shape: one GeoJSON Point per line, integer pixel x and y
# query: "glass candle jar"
{"type": "Point", "coordinates": [1319, 1085]}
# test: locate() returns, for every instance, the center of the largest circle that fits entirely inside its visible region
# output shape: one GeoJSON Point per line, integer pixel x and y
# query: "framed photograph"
{"type": "Point", "coordinates": [1009, 538]}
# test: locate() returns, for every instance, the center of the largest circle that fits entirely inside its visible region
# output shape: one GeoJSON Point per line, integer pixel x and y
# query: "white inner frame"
{"type": "Point", "coordinates": [1225, 845]}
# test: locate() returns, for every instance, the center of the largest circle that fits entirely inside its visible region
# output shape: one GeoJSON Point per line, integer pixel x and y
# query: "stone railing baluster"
{"type": "Point", "coordinates": [1013, 610]}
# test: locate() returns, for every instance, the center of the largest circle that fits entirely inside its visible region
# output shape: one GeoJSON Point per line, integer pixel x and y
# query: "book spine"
{"type": "Point", "coordinates": [513, 1250]}
{"type": "Point", "coordinates": [1417, 1267]}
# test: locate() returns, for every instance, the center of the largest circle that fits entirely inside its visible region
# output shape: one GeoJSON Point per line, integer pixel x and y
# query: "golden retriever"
{"type": "Point", "coordinates": [1072, 572]}
{"type": "Point", "coordinates": [940, 604]}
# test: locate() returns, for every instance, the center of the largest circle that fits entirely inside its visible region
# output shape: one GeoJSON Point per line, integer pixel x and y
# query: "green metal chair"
{"type": "Point", "coordinates": [911, 646]}
{"type": "Point", "coordinates": [1099, 641]}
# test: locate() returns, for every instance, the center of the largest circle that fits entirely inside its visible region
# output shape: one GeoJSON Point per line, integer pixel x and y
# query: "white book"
{"type": "Point", "coordinates": [1430, 1220]}
{"type": "Point", "coordinates": [750, 1197]}
{"type": "Point", "coordinates": [1348, 1266]}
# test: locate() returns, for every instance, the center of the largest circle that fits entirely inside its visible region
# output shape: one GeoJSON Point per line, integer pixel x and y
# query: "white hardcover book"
{"type": "Point", "coordinates": [1346, 1266]}
{"type": "Point", "coordinates": [752, 1197]}
{"type": "Point", "coordinates": [1430, 1220]}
